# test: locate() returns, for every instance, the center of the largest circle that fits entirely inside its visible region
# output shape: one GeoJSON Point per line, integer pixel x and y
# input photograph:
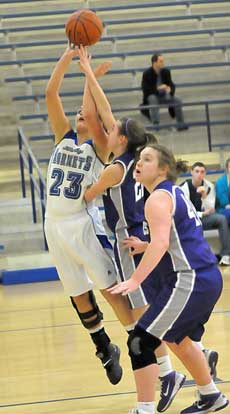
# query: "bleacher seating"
{"type": "Point", "coordinates": [31, 40]}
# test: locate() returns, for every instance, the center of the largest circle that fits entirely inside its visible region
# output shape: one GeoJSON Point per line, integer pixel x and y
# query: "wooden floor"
{"type": "Point", "coordinates": [47, 361]}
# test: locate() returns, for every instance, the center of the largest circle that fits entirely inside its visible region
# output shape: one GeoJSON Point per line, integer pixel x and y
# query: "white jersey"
{"type": "Point", "coordinates": [74, 231]}
{"type": "Point", "coordinates": [72, 168]}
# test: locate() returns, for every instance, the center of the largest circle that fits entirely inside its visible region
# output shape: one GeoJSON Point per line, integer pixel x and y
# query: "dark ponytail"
{"type": "Point", "coordinates": [136, 134]}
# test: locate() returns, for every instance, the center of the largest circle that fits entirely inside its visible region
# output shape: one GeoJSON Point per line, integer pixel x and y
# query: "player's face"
{"type": "Point", "coordinates": [147, 169]}
{"type": "Point", "coordinates": [81, 125]}
{"type": "Point", "coordinates": [198, 174]}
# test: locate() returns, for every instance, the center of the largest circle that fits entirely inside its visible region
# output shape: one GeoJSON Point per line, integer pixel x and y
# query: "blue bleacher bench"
{"type": "Point", "coordinates": [113, 22]}
{"type": "Point", "coordinates": [154, 4]}
{"type": "Point", "coordinates": [114, 38]}
{"type": "Point", "coordinates": [37, 97]}
{"type": "Point", "coordinates": [122, 55]}
{"type": "Point", "coordinates": [133, 71]}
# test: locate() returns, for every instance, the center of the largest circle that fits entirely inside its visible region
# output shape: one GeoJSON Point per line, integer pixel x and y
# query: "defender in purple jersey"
{"type": "Point", "coordinates": [124, 209]}
{"type": "Point", "coordinates": [190, 284]}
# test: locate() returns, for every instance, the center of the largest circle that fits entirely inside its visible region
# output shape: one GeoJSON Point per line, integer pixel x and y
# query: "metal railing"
{"type": "Point", "coordinates": [37, 182]}
{"type": "Point", "coordinates": [207, 121]}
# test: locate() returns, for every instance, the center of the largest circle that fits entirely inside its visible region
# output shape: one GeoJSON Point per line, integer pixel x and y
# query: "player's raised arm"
{"type": "Point", "coordinates": [58, 120]}
{"type": "Point", "coordinates": [102, 103]}
{"type": "Point", "coordinates": [95, 126]}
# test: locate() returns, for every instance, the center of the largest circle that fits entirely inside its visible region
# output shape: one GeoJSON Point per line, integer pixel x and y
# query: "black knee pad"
{"type": "Point", "coordinates": [95, 311]}
{"type": "Point", "coordinates": [141, 346]}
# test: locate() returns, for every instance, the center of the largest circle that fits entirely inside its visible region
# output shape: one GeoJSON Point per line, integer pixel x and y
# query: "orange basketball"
{"type": "Point", "coordinates": [83, 27]}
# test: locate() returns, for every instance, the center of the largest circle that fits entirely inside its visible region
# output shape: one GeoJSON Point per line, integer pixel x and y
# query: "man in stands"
{"type": "Point", "coordinates": [158, 88]}
{"type": "Point", "coordinates": [201, 192]}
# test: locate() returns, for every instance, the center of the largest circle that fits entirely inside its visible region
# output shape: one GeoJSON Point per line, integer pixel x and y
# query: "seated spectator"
{"type": "Point", "coordinates": [223, 192]}
{"type": "Point", "coordinates": [201, 192]}
{"type": "Point", "coordinates": [158, 88]}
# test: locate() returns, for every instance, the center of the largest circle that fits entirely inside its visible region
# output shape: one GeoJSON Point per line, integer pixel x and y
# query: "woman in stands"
{"type": "Point", "coordinates": [75, 235]}
{"type": "Point", "coordinates": [190, 283]}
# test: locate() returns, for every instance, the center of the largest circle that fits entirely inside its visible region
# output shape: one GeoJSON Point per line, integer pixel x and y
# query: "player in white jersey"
{"type": "Point", "coordinates": [75, 235]}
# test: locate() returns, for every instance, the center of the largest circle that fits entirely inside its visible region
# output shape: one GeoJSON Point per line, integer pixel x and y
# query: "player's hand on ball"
{"type": "Point", "coordinates": [71, 52]}
{"type": "Point", "coordinates": [124, 287]}
{"type": "Point", "coordinates": [84, 62]}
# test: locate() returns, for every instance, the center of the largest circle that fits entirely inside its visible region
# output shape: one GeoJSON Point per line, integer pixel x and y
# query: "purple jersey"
{"type": "Point", "coordinates": [124, 212]}
{"type": "Point", "coordinates": [187, 249]}
{"type": "Point", "coordinates": [124, 203]}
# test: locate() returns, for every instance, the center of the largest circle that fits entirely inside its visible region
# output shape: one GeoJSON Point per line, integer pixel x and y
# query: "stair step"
{"type": "Point", "coordinates": [27, 268]}
{"type": "Point", "coordinates": [17, 215]}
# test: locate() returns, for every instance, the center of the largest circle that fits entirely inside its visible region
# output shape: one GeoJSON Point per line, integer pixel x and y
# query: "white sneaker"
{"type": "Point", "coordinates": [225, 260]}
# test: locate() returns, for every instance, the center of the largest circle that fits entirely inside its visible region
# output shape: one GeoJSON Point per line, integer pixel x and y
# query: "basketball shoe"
{"type": "Point", "coordinates": [110, 361]}
{"type": "Point", "coordinates": [170, 385]}
{"type": "Point", "coordinates": [212, 359]}
{"type": "Point", "coordinates": [207, 404]}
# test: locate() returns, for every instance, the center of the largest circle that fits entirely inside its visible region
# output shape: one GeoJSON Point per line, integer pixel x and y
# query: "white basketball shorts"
{"type": "Point", "coordinates": [81, 261]}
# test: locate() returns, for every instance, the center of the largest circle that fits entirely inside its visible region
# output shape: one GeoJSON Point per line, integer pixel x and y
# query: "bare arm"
{"type": "Point", "coordinates": [95, 126]}
{"type": "Point", "coordinates": [158, 210]}
{"type": "Point", "coordinates": [58, 120]}
{"type": "Point", "coordinates": [102, 103]}
{"type": "Point", "coordinates": [110, 176]}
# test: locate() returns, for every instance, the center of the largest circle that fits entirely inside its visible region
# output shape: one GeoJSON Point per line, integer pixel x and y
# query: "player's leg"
{"type": "Point", "coordinates": [142, 348]}
{"type": "Point", "coordinates": [121, 308]}
{"type": "Point", "coordinates": [78, 285]}
{"type": "Point", "coordinates": [171, 381]}
{"type": "Point", "coordinates": [91, 318]}
{"type": "Point", "coordinates": [211, 358]}
{"type": "Point", "coordinates": [210, 398]}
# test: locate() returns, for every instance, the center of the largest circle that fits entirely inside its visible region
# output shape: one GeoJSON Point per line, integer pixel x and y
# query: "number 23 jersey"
{"type": "Point", "coordinates": [72, 168]}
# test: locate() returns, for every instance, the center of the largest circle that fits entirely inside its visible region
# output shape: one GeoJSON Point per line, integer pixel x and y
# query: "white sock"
{"type": "Point", "coordinates": [147, 407]}
{"type": "Point", "coordinates": [92, 331]}
{"type": "Point", "coordinates": [200, 345]}
{"type": "Point", "coordinates": [165, 366]}
{"type": "Point", "coordinates": [208, 389]}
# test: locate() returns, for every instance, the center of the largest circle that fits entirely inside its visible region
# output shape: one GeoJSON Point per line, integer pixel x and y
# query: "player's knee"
{"type": "Point", "coordinates": [91, 318]}
{"type": "Point", "coordinates": [141, 347]}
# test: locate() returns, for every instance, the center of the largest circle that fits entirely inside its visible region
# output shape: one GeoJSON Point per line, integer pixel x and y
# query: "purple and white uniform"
{"type": "Point", "coordinates": [190, 281]}
{"type": "Point", "coordinates": [124, 212]}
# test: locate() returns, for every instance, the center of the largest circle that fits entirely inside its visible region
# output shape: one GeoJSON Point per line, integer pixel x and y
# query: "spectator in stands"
{"type": "Point", "coordinates": [201, 192]}
{"type": "Point", "coordinates": [158, 88]}
{"type": "Point", "coordinates": [223, 192]}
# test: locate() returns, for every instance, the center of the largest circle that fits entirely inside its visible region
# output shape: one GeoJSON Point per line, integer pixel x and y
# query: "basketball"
{"type": "Point", "coordinates": [84, 27]}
